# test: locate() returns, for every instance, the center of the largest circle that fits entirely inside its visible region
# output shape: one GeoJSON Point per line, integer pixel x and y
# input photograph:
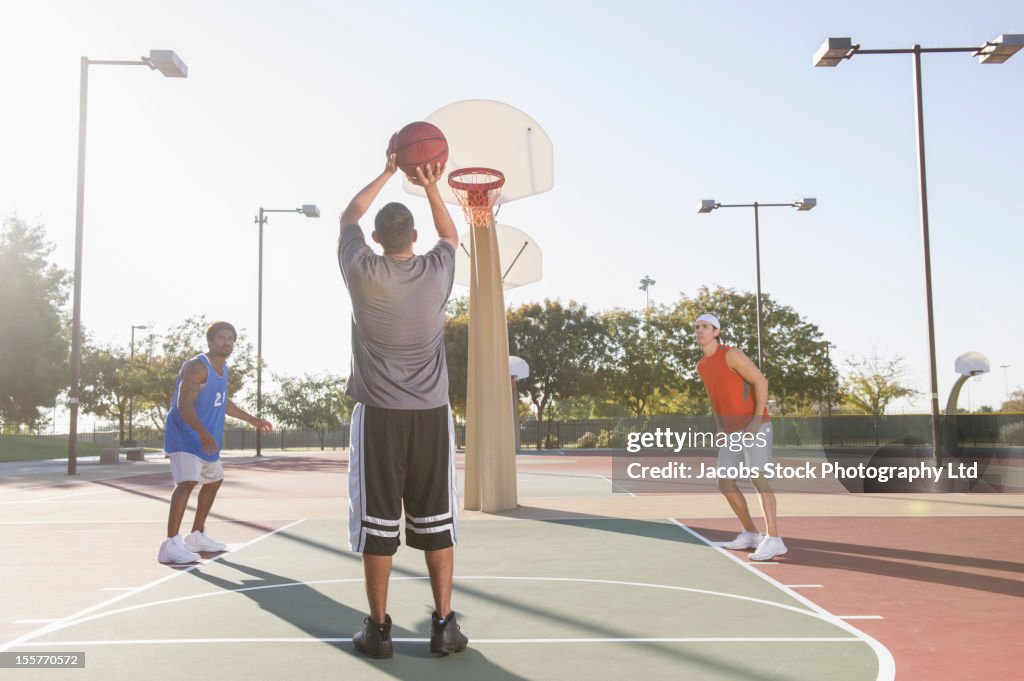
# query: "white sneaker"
{"type": "Point", "coordinates": [744, 540]}
{"type": "Point", "coordinates": [172, 550]}
{"type": "Point", "coordinates": [769, 548]}
{"type": "Point", "coordinates": [198, 541]}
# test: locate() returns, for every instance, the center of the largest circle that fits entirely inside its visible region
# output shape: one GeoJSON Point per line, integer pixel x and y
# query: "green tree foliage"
{"type": "Point", "coordinates": [456, 348]}
{"type": "Point", "coordinates": [314, 401]}
{"type": "Point", "coordinates": [159, 359]}
{"type": "Point", "coordinates": [1016, 402]}
{"type": "Point", "coordinates": [796, 359]}
{"type": "Point", "coordinates": [872, 383]}
{"type": "Point", "coordinates": [106, 384]}
{"type": "Point", "coordinates": [563, 344]}
{"type": "Point", "coordinates": [635, 367]}
{"type": "Point", "coordinates": [33, 338]}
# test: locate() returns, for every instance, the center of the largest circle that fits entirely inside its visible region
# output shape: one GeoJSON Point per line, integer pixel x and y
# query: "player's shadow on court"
{"type": "Point", "coordinates": [898, 563]}
{"type": "Point", "coordinates": [322, 617]}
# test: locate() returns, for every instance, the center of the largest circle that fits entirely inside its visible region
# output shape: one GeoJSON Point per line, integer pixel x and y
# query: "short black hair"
{"type": "Point", "coordinates": [212, 329]}
{"type": "Point", "coordinates": [393, 227]}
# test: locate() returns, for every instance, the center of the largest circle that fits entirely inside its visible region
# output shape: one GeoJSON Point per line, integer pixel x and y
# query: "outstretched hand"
{"type": "Point", "coordinates": [391, 162]}
{"type": "Point", "coordinates": [428, 175]}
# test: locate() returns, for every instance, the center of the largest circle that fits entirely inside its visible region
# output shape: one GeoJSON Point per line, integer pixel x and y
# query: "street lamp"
{"type": "Point", "coordinates": [131, 397]}
{"type": "Point", "coordinates": [1006, 379]}
{"type": "Point", "coordinates": [167, 63]}
{"type": "Point", "coordinates": [310, 211]}
{"type": "Point", "coordinates": [831, 53]}
{"type": "Point", "coordinates": [645, 284]}
{"type": "Point", "coordinates": [803, 205]}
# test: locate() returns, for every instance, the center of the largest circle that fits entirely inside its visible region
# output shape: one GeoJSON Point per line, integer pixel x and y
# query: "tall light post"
{"type": "Point", "coordinates": [168, 63]}
{"type": "Point", "coordinates": [131, 397]}
{"type": "Point", "coordinates": [310, 211]}
{"type": "Point", "coordinates": [645, 284]}
{"type": "Point", "coordinates": [803, 205]}
{"type": "Point", "coordinates": [1006, 379]}
{"type": "Point", "coordinates": [834, 51]}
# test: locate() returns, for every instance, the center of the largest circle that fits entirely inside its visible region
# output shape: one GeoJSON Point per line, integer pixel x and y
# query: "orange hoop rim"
{"type": "Point", "coordinates": [455, 180]}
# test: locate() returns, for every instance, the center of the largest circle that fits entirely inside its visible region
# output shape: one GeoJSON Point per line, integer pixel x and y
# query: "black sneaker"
{"type": "Point", "coordinates": [446, 635]}
{"type": "Point", "coordinates": [375, 639]}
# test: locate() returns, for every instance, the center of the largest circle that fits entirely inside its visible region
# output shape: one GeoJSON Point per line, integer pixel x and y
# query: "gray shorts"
{"type": "Point", "coordinates": [754, 456]}
{"type": "Point", "coordinates": [187, 467]}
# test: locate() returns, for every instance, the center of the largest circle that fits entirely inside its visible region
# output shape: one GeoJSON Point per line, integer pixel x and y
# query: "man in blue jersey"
{"type": "Point", "coordinates": [192, 441]}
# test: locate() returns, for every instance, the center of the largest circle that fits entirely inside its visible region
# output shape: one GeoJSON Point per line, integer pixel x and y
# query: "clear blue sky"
{"type": "Point", "coordinates": [651, 107]}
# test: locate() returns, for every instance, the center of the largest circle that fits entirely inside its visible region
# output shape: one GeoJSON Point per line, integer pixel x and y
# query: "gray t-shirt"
{"type": "Point", "coordinates": [398, 312]}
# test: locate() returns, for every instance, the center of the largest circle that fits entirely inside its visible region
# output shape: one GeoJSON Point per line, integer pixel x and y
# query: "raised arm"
{"type": "Point", "coordinates": [362, 201]}
{"type": "Point", "coordinates": [428, 177]}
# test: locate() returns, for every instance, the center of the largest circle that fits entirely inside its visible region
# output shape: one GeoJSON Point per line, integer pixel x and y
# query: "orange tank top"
{"type": "Point", "coordinates": [732, 398]}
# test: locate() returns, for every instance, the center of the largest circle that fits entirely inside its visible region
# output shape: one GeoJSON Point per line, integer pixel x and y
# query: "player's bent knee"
{"type": "Point", "coordinates": [727, 485]}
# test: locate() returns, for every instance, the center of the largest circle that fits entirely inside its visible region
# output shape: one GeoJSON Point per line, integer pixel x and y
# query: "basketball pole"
{"type": "Point", "coordinates": [490, 478]}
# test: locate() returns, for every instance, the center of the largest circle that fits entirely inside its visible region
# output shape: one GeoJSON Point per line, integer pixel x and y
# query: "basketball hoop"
{"type": "Point", "coordinates": [477, 190]}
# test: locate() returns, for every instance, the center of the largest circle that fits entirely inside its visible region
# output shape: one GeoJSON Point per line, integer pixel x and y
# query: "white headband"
{"type": "Point", "coordinates": [710, 319]}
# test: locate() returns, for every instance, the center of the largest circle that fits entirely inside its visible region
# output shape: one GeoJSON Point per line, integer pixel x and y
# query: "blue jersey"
{"type": "Point", "coordinates": [211, 405]}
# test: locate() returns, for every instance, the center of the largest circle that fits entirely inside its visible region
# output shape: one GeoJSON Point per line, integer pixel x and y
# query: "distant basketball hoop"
{"type": "Point", "coordinates": [477, 190]}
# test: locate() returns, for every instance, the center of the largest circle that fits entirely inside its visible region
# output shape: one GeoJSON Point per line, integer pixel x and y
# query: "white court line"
{"type": "Point", "coordinates": [886, 663]}
{"type": "Point", "coordinates": [61, 623]}
{"type": "Point", "coordinates": [804, 586]}
{"type": "Point", "coordinates": [616, 485]}
{"type": "Point", "coordinates": [215, 594]}
{"type": "Point", "coordinates": [476, 641]}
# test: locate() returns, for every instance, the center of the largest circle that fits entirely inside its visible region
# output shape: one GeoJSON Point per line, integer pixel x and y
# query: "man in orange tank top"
{"type": "Point", "coordinates": [739, 397]}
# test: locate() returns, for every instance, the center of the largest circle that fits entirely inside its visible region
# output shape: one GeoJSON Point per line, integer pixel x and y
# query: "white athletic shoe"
{"type": "Point", "coordinates": [198, 541]}
{"type": "Point", "coordinates": [744, 540]}
{"type": "Point", "coordinates": [172, 550]}
{"type": "Point", "coordinates": [769, 548]}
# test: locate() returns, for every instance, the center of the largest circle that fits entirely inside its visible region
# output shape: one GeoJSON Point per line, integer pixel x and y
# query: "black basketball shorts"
{"type": "Point", "coordinates": [396, 457]}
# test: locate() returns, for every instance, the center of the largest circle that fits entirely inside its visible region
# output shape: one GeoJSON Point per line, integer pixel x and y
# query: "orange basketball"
{"type": "Point", "coordinates": [419, 144]}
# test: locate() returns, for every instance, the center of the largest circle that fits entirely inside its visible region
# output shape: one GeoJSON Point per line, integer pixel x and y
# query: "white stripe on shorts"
{"type": "Point", "coordinates": [431, 530]}
{"type": "Point", "coordinates": [356, 484]}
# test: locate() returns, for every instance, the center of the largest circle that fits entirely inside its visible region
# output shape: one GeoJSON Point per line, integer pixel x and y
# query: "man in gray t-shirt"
{"type": "Point", "coordinates": [402, 452]}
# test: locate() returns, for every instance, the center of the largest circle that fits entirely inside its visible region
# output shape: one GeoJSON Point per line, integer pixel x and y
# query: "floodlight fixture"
{"type": "Point", "coordinates": [999, 49]}
{"type": "Point", "coordinates": [833, 51]}
{"type": "Point", "coordinates": [167, 62]}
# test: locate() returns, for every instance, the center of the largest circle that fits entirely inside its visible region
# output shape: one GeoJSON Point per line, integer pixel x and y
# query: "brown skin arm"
{"type": "Point", "coordinates": [428, 177]}
{"type": "Point", "coordinates": [234, 411]}
{"type": "Point", "coordinates": [362, 201]}
{"type": "Point", "coordinates": [748, 371]}
{"type": "Point", "coordinates": [193, 376]}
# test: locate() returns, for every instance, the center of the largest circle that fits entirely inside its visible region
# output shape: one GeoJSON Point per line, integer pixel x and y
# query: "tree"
{"type": "Point", "coordinates": [636, 367]}
{"type": "Point", "coordinates": [158, 361]}
{"type": "Point", "coordinates": [797, 363]}
{"type": "Point", "coordinates": [563, 346]}
{"type": "Point", "coordinates": [33, 338]}
{"type": "Point", "coordinates": [456, 348]}
{"type": "Point", "coordinates": [108, 381]}
{"type": "Point", "coordinates": [872, 383]}
{"type": "Point", "coordinates": [314, 401]}
{"type": "Point", "coordinates": [1016, 402]}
